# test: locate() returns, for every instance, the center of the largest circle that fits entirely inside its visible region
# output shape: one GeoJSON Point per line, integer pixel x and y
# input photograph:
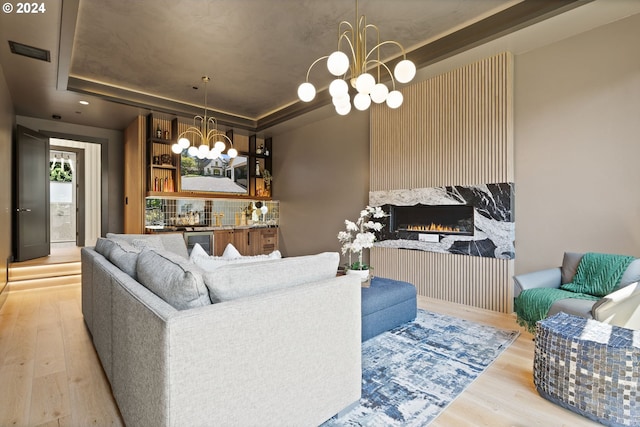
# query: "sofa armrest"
{"type": "Point", "coordinates": [549, 278]}
{"type": "Point", "coordinates": [620, 308]}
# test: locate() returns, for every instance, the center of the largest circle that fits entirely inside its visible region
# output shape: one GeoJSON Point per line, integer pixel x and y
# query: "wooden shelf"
{"type": "Point", "coordinates": [171, 167]}
{"type": "Point", "coordinates": [203, 195]}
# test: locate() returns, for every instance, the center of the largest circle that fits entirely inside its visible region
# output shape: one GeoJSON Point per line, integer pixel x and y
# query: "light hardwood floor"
{"type": "Point", "coordinates": [50, 374]}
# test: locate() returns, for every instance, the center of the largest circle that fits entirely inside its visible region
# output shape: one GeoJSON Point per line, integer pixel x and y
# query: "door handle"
{"type": "Point", "coordinates": [23, 210]}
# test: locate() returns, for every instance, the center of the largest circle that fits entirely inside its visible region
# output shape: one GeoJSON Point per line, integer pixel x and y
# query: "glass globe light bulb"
{"type": "Point", "coordinates": [219, 146]}
{"type": "Point", "coordinates": [184, 142]}
{"type": "Point", "coordinates": [200, 155]}
{"type": "Point", "coordinates": [361, 101]}
{"type": "Point", "coordinates": [338, 63]}
{"type": "Point", "coordinates": [343, 110]}
{"type": "Point", "coordinates": [233, 153]}
{"type": "Point", "coordinates": [176, 148]}
{"type": "Point", "coordinates": [404, 71]}
{"type": "Point", "coordinates": [212, 154]}
{"type": "Point", "coordinates": [338, 87]}
{"type": "Point", "coordinates": [395, 98]}
{"type": "Point", "coordinates": [341, 100]}
{"type": "Point", "coordinates": [193, 151]}
{"type": "Point", "coordinates": [364, 83]}
{"type": "Point", "coordinates": [204, 149]}
{"type": "Point", "coordinates": [306, 92]}
{"type": "Point", "coordinates": [379, 93]}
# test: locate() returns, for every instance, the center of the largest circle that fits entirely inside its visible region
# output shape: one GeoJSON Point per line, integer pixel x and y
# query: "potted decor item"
{"type": "Point", "coordinates": [358, 236]}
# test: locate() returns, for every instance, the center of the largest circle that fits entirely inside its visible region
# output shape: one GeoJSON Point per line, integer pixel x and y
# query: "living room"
{"type": "Point", "coordinates": [573, 160]}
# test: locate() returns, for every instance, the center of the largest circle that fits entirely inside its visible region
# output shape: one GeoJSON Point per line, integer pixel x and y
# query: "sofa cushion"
{"type": "Point", "coordinates": [173, 278]}
{"type": "Point", "coordinates": [230, 252]}
{"type": "Point", "coordinates": [631, 274]}
{"type": "Point", "coordinates": [172, 242]}
{"type": "Point", "coordinates": [570, 263]}
{"type": "Point", "coordinates": [241, 280]}
{"type": "Point", "coordinates": [574, 306]}
{"type": "Point", "coordinates": [201, 258]}
{"type": "Point", "coordinates": [104, 246]}
{"type": "Point", "coordinates": [124, 256]}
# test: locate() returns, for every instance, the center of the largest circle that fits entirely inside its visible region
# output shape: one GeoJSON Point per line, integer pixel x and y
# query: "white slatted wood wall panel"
{"type": "Point", "coordinates": [453, 129]}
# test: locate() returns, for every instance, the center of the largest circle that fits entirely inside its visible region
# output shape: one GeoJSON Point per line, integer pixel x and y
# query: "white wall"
{"type": "Point", "coordinates": [7, 124]}
{"type": "Point", "coordinates": [577, 146]}
{"type": "Point", "coordinates": [321, 178]}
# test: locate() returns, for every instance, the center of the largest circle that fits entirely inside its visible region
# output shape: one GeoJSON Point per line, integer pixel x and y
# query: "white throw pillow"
{"type": "Point", "coordinates": [230, 252]}
{"type": "Point", "coordinates": [197, 251]}
{"type": "Point", "coordinates": [209, 263]}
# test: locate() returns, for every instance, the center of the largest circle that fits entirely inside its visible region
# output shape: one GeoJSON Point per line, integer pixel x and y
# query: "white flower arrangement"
{"type": "Point", "coordinates": [359, 235]}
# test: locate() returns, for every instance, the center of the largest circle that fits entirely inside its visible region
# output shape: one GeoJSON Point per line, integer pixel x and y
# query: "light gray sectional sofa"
{"type": "Point", "coordinates": [285, 354]}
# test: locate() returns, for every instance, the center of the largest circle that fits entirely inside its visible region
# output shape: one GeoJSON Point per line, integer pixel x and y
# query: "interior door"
{"type": "Point", "coordinates": [31, 194]}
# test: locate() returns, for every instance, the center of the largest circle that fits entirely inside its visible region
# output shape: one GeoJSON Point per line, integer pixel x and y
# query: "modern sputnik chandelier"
{"type": "Point", "coordinates": [205, 132]}
{"type": "Point", "coordinates": [369, 89]}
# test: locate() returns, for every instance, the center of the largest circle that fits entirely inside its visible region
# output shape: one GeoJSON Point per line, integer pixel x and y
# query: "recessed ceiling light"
{"type": "Point", "coordinates": [84, 102]}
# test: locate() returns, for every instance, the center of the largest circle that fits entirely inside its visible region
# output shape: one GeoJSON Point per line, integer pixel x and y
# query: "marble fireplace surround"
{"type": "Point", "coordinates": [494, 224]}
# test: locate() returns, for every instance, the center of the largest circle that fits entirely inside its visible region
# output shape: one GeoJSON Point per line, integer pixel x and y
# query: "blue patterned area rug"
{"type": "Point", "coordinates": [411, 373]}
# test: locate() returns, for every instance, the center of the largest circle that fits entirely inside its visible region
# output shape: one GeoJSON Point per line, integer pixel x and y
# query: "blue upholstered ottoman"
{"type": "Point", "coordinates": [386, 303]}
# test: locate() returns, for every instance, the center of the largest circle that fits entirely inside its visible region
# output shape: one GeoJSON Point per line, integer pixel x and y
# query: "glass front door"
{"type": "Point", "coordinates": [63, 198]}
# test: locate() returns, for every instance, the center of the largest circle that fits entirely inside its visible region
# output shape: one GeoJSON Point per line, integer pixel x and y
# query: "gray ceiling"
{"type": "Point", "coordinates": [132, 57]}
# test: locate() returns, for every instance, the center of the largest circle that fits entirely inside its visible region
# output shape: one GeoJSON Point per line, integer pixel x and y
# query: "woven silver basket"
{"type": "Point", "coordinates": [589, 367]}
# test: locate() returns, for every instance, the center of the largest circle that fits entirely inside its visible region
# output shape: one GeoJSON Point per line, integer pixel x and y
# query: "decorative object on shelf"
{"type": "Point", "coordinates": [166, 159]}
{"type": "Point", "coordinates": [368, 87]}
{"type": "Point", "coordinates": [205, 130]}
{"type": "Point", "coordinates": [266, 177]}
{"type": "Point", "coordinates": [218, 219]}
{"type": "Point", "coordinates": [264, 209]}
{"type": "Point", "coordinates": [358, 236]}
{"type": "Point", "coordinates": [158, 132]}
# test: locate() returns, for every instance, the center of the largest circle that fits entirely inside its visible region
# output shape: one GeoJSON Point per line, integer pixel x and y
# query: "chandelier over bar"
{"type": "Point", "coordinates": [353, 39]}
{"type": "Point", "coordinates": [205, 133]}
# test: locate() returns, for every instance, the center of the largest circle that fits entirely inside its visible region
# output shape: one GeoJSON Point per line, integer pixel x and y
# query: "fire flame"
{"type": "Point", "coordinates": [434, 227]}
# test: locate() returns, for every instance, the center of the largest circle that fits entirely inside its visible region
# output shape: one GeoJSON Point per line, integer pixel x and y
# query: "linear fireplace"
{"type": "Point", "coordinates": [472, 220]}
{"type": "Point", "coordinates": [411, 222]}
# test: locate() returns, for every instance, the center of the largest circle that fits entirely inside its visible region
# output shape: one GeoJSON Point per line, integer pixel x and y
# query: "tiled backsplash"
{"type": "Point", "coordinates": [210, 212]}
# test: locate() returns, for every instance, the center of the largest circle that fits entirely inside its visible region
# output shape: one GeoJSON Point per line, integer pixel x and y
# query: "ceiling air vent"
{"type": "Point", "coordinates": [30, 51]}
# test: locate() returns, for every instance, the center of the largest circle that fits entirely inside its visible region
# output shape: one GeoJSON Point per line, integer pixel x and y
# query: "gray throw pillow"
{"type": "Point", "coordinates": [104, 246]}
{"type": "Point", "coordinates": [570, 266]}
{"type": "Point", "coordinates": [172, 242]}
{"type": "Point", "coordinates": [241, 280]}
{"type": "Point", "coordinates": [124, 256]}
{"type": "Point", "coordinates": [173, 278]}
